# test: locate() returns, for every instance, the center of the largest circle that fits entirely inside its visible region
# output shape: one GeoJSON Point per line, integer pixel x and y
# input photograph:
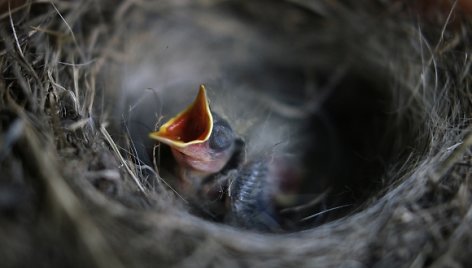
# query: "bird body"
{"type": "Point", "coordinates": [250, 195]}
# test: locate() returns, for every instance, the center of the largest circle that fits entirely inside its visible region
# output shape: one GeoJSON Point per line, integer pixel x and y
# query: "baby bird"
{"type": "Point", "coordinates": [250, 199]}
{"type": "Point", "coordinates": [201, 142]}
{"type": "Point", "coordinates": [212, 169]}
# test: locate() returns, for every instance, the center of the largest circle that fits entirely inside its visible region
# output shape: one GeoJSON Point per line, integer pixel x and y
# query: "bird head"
{"type": "Point", "coordinates": [201, 141]}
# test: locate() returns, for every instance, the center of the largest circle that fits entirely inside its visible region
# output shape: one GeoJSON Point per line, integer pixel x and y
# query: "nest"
{"type": "Point", "coordinates": [391, 81]}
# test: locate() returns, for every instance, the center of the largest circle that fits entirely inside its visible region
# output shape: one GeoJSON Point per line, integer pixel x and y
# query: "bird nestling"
{"type": "Point", "coordinates": [201, 142]}
{"type": "Point", "coordinates": [212, 172]}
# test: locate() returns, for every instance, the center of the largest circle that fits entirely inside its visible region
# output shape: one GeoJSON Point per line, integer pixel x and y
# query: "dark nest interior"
{"type": "Point", "coordinates": [363, 109]}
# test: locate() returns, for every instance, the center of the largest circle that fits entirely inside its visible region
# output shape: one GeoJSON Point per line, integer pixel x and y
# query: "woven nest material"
{"type": "Point", "coordinates": [391, 80]}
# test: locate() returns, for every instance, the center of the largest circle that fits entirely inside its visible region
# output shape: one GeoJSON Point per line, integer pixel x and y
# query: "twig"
{"type": "Point", "coordinates": [324, 211]}
{"type": "Point", "coordinates": [117, 152]}
{"type": "Point", "coordinates": [68, 28]}
{"type": "Point", "coordinates": [452, 158]}
{"type": "Point", "coordinates": [14, 32]}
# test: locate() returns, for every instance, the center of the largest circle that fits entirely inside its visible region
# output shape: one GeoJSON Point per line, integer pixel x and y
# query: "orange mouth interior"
{"type": "Point", "coordinates": [191, 126]}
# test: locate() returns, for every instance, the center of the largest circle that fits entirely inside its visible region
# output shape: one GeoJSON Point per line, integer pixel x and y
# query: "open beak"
{"type": "Point", "coordinates": [188, 135]}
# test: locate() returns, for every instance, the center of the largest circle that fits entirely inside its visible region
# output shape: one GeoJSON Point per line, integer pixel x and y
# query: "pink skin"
{"type": "Point", "coordinates": [201, 158]}
{"type": "Point", "coordinates": [198, 161]}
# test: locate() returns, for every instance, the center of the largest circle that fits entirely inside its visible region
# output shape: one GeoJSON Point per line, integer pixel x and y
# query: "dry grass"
{"type": "Point", "coordinates": [73, 194]}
